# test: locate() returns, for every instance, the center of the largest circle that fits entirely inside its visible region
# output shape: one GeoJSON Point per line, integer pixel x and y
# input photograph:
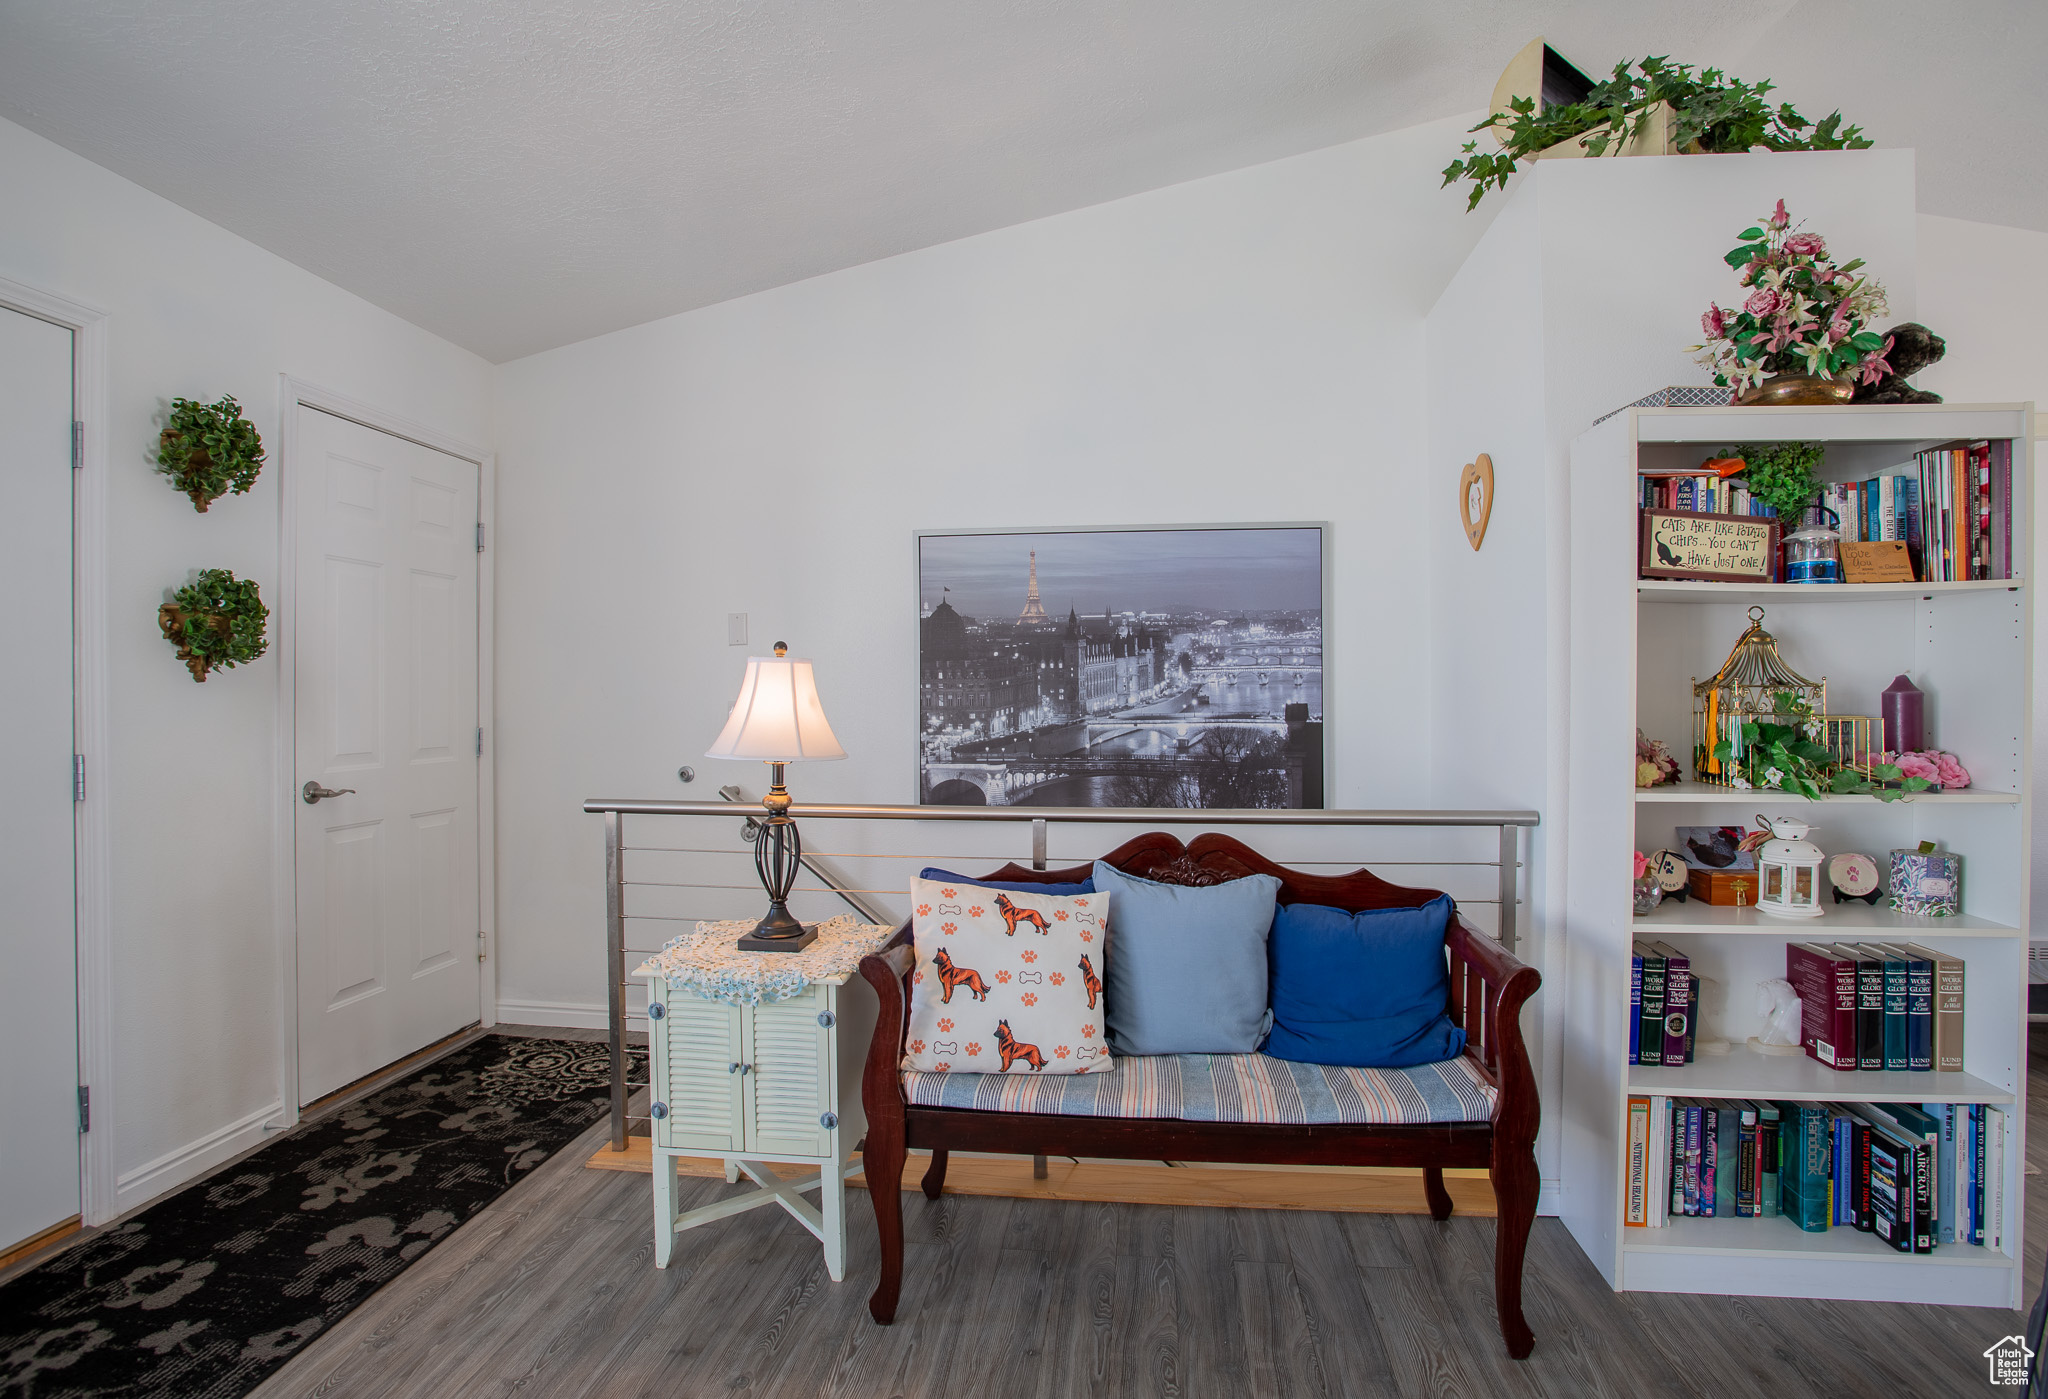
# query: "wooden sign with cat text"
{"type": "Point", "coordinates": [1717, 548]}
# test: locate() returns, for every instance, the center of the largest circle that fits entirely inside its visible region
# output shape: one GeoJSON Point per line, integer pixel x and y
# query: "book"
{"type": "Point", "coordinates": [1891, 1190]}
{"type": "Point", "coordinates": [1869, 1006]}
{"type": "Point", "coordinates": [1677, 1002]}
{"type": "Point", "coordinates": [1767, 1155]}
{"type": "Point", "coordinates": [1892, 1034]}
{"type": "Point", "coordinates": [1974, 1154]}
{"type": "Point", "coordinates": [1946, 1202]}
{"type": "Point", "coordinates": [1859, 1172]}
{"type": "Point", "coordinates": [1825, 979]}
{"type": "Point", "coordinates": [1710, 1159]}
{"type": "Point", "coordinates": [1727, 1157]}
{"type": "Point", "coordinates": [1994, 1178]}
{"type": "Point", "coordinates": [1921, 1127]}
{"type": "Point", "coordinates": [1919, 1006]}
{"type": "Point", "coordinates": [1948, 1007]}
{"type": "Point", "coordinates": [1679, 1158]}
{"type": "Point", "coordinates": [1637, 1209]}
{"type": "Point", "coordinates": [1805, 1171]}
{"type": "Point", "coordinates": [1746, 1160]}
{"type": "Point", "coordinates": [1660, 1161]}
{"type": "Point", "coordinates": [1652, 1019]}
{"type": "Point", "coordinates": [1635, 1006]}
{"type": "Point", "coordinates": [1842, 1161]}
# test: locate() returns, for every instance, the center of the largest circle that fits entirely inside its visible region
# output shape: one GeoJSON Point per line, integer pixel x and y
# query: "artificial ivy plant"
{"type": "Point", "coordinates": [1783, 475]}
{"type": "Point", "coordinates": [1783, 756]}
{"type": "Point", "coordinates": [216, 620]}
{"type": "Point", "coordinates": [1714, 115]}
{"type": "Point", "coordinates": [209, 449]}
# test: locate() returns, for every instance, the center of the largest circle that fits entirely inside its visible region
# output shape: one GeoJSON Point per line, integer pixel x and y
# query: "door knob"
{"type": "Point", "coordinates": [314, 792]}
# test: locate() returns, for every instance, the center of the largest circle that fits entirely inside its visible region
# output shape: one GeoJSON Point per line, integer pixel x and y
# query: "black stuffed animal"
{"type": "Point", "coordinates": [1914, 347]}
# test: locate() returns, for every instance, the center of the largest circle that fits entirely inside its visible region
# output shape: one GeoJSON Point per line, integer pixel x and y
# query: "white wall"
{"type": "Point", "coordinates": [197, 312]}
{"type": "Point", "coordinates": [1245, 347]}
{"type": "Point", "coordinates": [1984, 290]}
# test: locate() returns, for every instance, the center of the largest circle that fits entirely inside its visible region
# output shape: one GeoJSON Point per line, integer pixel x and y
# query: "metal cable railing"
{"type": "Point", "coordinates": [864, 896]}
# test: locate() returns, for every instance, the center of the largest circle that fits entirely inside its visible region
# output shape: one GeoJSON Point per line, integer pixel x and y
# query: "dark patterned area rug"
{"type": "Point", "coordinates": [204, 1294]}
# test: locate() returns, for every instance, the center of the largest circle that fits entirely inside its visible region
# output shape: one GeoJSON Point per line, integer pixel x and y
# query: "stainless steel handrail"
{"type": "Point", "coordinates": [614, 811]}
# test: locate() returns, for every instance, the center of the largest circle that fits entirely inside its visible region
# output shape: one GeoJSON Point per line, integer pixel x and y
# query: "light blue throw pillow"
{"type": "Point", "coordinates": [1187, 967]}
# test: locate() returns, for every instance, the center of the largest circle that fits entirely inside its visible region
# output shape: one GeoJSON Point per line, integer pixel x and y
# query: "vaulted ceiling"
{"type": "Point", "coordinates": [520, 174]}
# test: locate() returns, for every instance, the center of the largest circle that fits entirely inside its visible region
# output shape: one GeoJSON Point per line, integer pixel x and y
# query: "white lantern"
{"type": "Point", "coordinates": [1788, 869]}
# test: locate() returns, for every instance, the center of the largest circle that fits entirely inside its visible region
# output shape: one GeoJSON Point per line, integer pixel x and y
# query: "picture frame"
{"type": "Point", "coordinates": [1683, 544]}
{"type": "Point", "coordinates": [1204, 689]}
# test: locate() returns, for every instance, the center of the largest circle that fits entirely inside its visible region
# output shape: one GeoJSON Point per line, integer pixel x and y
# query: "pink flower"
{"type": "Point", "coordinates": [1805, 244]}
{"type": "Point", "coordinates": [1917, 765]}
{"type": "Point", "coordinates": [1762, 302]}
{"type": "Point", "coordinates": [1875, 366]}
{"type": "Point", "coordinates": [1711, 323]}
{"type": "Point", "coordinates": [1779, 218]}
{"type": "Point", "coordinates": [1948, 772]}
{"type": "Point", "coordinates": [1642, 864]}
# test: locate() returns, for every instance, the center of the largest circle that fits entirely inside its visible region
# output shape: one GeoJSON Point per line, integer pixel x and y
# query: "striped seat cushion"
{"type": "Point", "coordinates": [1224, 1088]}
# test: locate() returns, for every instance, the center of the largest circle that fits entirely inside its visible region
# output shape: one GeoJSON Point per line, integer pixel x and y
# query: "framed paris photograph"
{"type": "Point", "coordinates": [1174, 666]}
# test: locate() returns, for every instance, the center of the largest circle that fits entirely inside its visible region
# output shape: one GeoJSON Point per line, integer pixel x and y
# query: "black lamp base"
{"type": "Point", "coordinates": [778, 932]}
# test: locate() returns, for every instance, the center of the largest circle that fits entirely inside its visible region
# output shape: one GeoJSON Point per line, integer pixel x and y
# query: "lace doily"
{"type": "Point", "coordinates": [704, 961]}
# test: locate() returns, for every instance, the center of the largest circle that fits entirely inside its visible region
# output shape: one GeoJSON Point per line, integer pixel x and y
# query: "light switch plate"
{"type": "Point", "coordinates": [735, 628]}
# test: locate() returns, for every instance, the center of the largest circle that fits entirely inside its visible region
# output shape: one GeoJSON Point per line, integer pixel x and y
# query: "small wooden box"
{"type": "Point", "coordinates": [1734, 887]}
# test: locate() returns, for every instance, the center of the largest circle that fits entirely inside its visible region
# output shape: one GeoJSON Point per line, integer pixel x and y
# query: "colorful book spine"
{"type": "Point", "coordinates": [1710, 1159]}
{"type": "Point", "coordinates": [1677, 1003]}
{"type": "Point", "coordinates": [1727, 1157]}
{"type": "Point", "coordinates": [1746, 1160]}
{"type": "Point", "coordinates": [1767, 1155]}
{"type": "Point", "coordinates": [1895, 1009]}
{"type": "Point", "coordinates": [1805, 1170]}
{"type": "Point", "coordinates": [1946, 1204]}
{"type": "Point", "coordinates": [1994, 1178]}
{"type": "Point", "coordinates": [1652, 1019]}
{"type": "Point", "coordinates": [1869, 1008]}
{"type": "Point", "coordinates": [1891, 1191]}
{"type": "Point", "coordinates": [1637, 1210]}
{"type": "Point", "coordinates": [1859, 1172]}
{"type": "Point", "coordinates": [1919, 1008]}
{"type": "Point", "coordinates": [1974, 1151]}
{"type": "Point", "coordinates": [1635, 1008]}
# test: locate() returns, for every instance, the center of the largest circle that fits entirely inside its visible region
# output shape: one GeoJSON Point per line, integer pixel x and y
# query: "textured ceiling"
{"type": "Point", "coordinates": [519, 174]}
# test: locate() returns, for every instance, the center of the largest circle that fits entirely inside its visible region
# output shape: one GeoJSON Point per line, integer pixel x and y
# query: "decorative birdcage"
{"type": "Point", "coordinates": [1753, 686]}
{"type": "Point", "coordinates": [1850, 740]}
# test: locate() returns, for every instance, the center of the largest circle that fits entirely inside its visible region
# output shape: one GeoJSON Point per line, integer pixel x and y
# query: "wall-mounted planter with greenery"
{"type": "Point", "coordinates": [216, 620]}
{"type": "Point", "coordinates": [209, 449]}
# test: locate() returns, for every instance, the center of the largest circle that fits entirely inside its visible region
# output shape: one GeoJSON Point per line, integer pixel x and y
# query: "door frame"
{"type": "Point", "coordinates": [92, 829]}
{"type": "Point", "coordinates": [294, 394]}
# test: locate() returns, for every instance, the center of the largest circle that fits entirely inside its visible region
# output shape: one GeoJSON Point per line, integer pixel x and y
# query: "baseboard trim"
{"type": "Point", "coordinates": [568, 1015]}
{"type": "Point", "coordinates": [176, 1168]}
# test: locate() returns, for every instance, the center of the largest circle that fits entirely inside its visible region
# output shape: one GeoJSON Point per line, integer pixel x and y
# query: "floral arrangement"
{"type": "Point", "coordinates": [1803, 315]}
{"type": "Point", "coordinates": [1784, 756]}
{"type": "Point", "coordinates": [1930, 765]}
{"type": "Point", "coordinates": [1648, 892]}
{"type": "Point", "coordinates": [1654, 765]}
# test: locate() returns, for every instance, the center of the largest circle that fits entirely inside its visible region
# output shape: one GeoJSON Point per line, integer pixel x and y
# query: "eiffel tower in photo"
{"type": "Point", "coordinates": [1034, 610]}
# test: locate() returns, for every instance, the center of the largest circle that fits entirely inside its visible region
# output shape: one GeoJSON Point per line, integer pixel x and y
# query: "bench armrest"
{"type": "Point", "coordinates": [1489, 985]}
{"type": "Point", "coordinates": [887, 969]}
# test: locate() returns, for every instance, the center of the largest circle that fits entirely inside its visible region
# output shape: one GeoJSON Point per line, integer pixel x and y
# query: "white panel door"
{"type": "Point", "coordinates": [38, 923]}
{"type": "Point", "coordinates": [791, 1082]}
{"type": "Point", "coordinates": [387, 706]}
{"type": "Point", "coordinates": [696, 1080]}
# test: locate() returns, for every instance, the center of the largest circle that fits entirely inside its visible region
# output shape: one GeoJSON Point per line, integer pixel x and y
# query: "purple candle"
{"type": "Point", "coordinates": [1905, 717]}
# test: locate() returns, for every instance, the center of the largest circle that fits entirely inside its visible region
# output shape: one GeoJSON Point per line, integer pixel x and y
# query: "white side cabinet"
{"type": "Point", "coordinates": [775, 1082]}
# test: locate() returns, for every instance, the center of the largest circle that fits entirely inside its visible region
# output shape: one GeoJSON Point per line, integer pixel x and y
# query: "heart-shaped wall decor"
{"type": "Point", "coordinates": [1475, 497]}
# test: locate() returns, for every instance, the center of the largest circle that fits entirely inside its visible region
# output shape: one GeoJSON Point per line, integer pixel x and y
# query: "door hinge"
{"type": "Point", "coordinates": [77, 446]}
{"type": "Point", "coordinates": [84, 1108]}
{"type": "Point", "coordinates": [78, 777]}
{"type": "Point", "coordinates": [479, 741]}
{"type": "Point", "coordinates": [479, 944]}
{"type": "Point", "coordinates": [479, 536]}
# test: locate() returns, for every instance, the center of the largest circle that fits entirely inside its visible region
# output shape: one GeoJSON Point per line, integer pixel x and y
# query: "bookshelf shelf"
{"type": "Point", "coordinates": [1762, 1238]}
{"type": "Point", "coordinates": [1856, 922]}
{"type": "Point", "coordinates": [1702, 794]}
{"type": "Point", "coordinates": [1744, 1073]}
{"type": "Point", "coordinates": [1635, 646]}
{"type": "Point", "coordinates": [1664, 590]}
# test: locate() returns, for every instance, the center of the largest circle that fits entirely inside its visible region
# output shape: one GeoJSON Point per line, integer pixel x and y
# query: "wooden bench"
{"type": "Point", "coordinates": [1488, 988]}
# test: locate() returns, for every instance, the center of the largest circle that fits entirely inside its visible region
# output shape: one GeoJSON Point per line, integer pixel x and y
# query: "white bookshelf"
{"type": "Point", "coordinates": [1636, 647]}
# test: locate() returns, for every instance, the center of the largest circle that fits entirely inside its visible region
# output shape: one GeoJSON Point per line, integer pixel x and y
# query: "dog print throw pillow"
{"type": "Point", "coordinates": [1006, 983]}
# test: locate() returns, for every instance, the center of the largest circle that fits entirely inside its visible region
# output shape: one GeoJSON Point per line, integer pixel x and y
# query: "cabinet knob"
{"type": "Point", "coordinates": [827, 1019]}
{"type": "Point", "coordinates": [657, 1111]}
{"type": "Point", "coordinates": [656, 1011]}
{"type": "Point", "coordinates": [829, 1120]}
{"type": "Point", "coordinates": [732, 1068]}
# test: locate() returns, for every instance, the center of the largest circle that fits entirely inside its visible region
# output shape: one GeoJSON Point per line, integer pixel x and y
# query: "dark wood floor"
{"type": "Point", "coordinates": [552, 1292]}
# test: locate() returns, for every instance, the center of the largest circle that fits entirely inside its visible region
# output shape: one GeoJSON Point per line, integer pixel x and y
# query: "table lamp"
{"type": "Point", "coordinates": [778, 720]}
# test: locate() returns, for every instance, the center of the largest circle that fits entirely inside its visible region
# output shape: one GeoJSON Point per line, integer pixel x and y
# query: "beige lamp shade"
{"type": "Point", "coordinates": [777, 717]}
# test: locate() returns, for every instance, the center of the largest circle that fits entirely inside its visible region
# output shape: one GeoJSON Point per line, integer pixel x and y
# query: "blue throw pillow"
{"type": "Point", "coordinates": [1086, 886]}
{"type": "Point", "coordinates": [1187, 967]}
{"type": "Point", "coordinates": [1365, 990]}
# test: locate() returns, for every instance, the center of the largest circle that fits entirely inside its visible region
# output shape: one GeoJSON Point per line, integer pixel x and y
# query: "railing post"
{"type": "Point", "coordinates": [615, 966]}
{"type": "Point", "coordinates": [1509, 884]}
{"type": "Point", "coordinates": [1037, 844]}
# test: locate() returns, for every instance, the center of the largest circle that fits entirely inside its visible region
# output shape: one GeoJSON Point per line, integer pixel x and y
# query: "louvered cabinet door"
{"type": "Point", "coordinates": [789, 1091]}
{"type": "Point", "coordinates": [695, 1044]}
